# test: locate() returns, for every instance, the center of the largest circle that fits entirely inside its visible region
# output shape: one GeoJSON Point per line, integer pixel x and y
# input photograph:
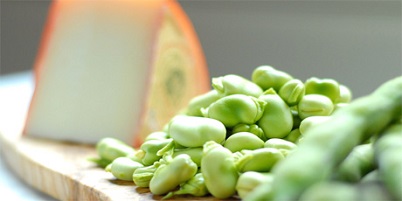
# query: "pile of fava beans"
{"type": "Point", "coordinates": [271, 137]}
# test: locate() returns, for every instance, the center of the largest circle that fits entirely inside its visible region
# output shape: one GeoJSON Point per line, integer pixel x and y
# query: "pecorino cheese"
{"type": "Point", "coordinates": [117, 69]}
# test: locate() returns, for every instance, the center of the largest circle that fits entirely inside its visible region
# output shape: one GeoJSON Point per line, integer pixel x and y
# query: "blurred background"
{"type": "Point", "coordinates": [355, 42]}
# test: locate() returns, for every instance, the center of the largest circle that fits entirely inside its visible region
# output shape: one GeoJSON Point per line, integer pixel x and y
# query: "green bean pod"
{"type": "Point", "coordinates": [248, 181]}
{"type": "Point", "coordinates": [195, 187]}
{"type": "Point", "coordinates": [170, 175]}
{"type": "Point", "coordinates": [315, 105]}
{"type": "Point", "coordinates": [202, 101]}
{"type": "Point", "coordinates": [236, 109]}
{"type": "Point", "coordinates": [268, 77]}
{"type": "Point", "coordinates": [251, 128]}
{"type": "Point", "coordinates": [259, 160]}
{"type": "Point", "coordinates": [347, 128]}
{"type": "Point", "coordinates": [387, 153]}
{"type": "Point", "coordinates": [123, 168]}
{"type": "Point", "coordinates": [219, 171]}
{"type": "Point", "coordinates": [235, 84]}
{"type": "Point", "coordinates": [357, 164]}
{"type": "Point", "coordinates": [276, 120]}
{"type": "Point", "coordinates": [243, 140]}
{"type": "Point", "coordinates": [191, 131]}
{"type": "Point", "coordinates": [292, 92]}
{"type": "Point", "coordinates": [326, 87]}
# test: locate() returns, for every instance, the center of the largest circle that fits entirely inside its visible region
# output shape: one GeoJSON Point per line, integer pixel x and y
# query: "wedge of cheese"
{"type": "Point", "coordinates": [114, 68]}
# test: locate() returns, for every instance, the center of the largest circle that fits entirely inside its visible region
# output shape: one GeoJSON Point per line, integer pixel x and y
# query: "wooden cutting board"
{"type": "Point", "coordinates": [60, 169]}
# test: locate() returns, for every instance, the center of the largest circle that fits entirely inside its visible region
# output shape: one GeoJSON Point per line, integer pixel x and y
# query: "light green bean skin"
{"type": "Point", "coordinates": [169, 176]}
{"type": "Point", "coordinates": [243, 140]}
{"type": "Point", "coordinates": [194, 153]}
{"type": "Point", "coordinates": [292, 91]}
{"type": "Point", "coordinates": [219, 171]}
{"type": "Point", "coordinates": [111, 148]}
{"type": "Point", "coordinates": [347, 128]}
{"type": "Point", "coordinates": [310, 122]}
{"type": "Point", "coordinates": [202, 101]}
{"type": "Point", "coordinates": [195, 187]}
{"type": "Point", "coordinates": [235, 84]}
{"type": "Point", "coordinates": [357, 164]}
{"type": "Point", "coordinates": [315, 105]}
{"type": "Point", "coordinates": [268, 77]}
{"type": "Point", "coordinates": [251, 128]}
{"type": "Point", "coordinates": [387, 150]}
{"type": "Point", "coordinates": [326, 87]}
{"type": "Point", "coordinates": [123, 168]}
{"type": "Point", "coordinates": [143, 175]}
{"type": "Point", "coordinates": [236, 109]}
{"type": "Point", "coordinates": [277, 119]}
{"type": "Point", "coordinates": [248, 181]}
{"type": "Point", "coordinates": [150, 149]}
{"type": "Point", "coordinates": [191, 131]}
{"type": "Point", "coordinates": [259, 160]}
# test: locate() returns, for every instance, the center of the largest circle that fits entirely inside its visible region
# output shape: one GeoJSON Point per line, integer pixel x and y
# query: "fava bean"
{"type": "Point", "coordinates": [292, 91]}
{"type": "Point", "coordinates": [294, 136]}
{"type": "Point", "coordinates": [235, 84]}
{"type": "Point", "coordinates": [143, 175]}
{"type": "Point", "coordinates": [345, 94]}
{"type": "Point", "coordinates": [251, 128]}
{"type": "Point", "coordinates": [282, 145]}
{"type": "Point", "coordinates": [123, 168]}
{"type": "Point", "coordinates": [195, 187]}
{"type": "Point", "coordinates": [192, 131]}
{"type": "Point", "coordinates": [218, 170]}
{"type": "Point", "coordinates": [259, 160]}
{"type": "Point", "coordinates": [311, 121]}
{"type": "Point", "coordinates": [276, 120]}
{"type": "Point", "coordinates": [248, 181]}
{"type": "Point", "coordinates": [236, 109]}
{"type": "Point", "coordinates": [148, 152]}
{"type": "Point", "coordinates": [111, 148]}
{"type": "Point", "coordinates": [194, 153]}
{"type": "Point", "coordinates": [170, 175]}
{"type": "Point", "coordinates": [243, 140]}
{"type": "Point", "coordinates": [202, 101]}
{"type": "Point", "coordinates": [315, 105]}
{"type": "Point", "coordinates": [268, 77]}
{"type": "Point", "coordinates": [325, 87]}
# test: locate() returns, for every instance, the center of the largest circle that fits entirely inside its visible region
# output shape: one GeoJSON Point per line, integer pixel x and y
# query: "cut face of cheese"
{"type": "Point", "coordinates": [117, 69]}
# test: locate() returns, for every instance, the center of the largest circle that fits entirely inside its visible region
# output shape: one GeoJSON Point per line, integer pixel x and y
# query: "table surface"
{"type": "Point", "coordinates": [12, 187]}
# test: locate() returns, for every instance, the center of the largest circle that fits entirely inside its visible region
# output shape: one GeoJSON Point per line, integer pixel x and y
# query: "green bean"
{"type": "Point", "coordinates": [236, 109]}
{"type": "Point", "coordinates": [123, 168]}
{"type": "Point", "coordinates": [387, 150]}
{"type": "Point", "coordinates": [143, 175]}
{"type": "Point", "coordinates": [326, 87]}
{"type": "Point", "coordinates": [357, 164]}
{"type": "Point", "coordinates": [268, 77]}
{"type": "Point", "coordinates": [195, 187]}
{"type": "Point", "coordinates": [248, 181]}
{"type": "Point", "coordinates": [218, 170]}
{"type": "Point", "coordinates": [259, 160]}
{"type": "Point", "coordinates": [202, 101]}
{"type": "Point", "coordinates": [194, 152]}
{"type": "Point", "coordinates": [170, 175]}
{"type": "Point", "coordinates": [235, 84]}
{"type": "Point", "coordinates": [276, 120]}
{"type": "Point", "coordinates": [243, 140]}
{"type": "Point", "coordinates": [292, 91]}
{"type": "Point", "coordinates": [251, 128]}
{"type": "Point", "coordinates": [315, 105]}
{"type": "Point", "coordinates": [330, 143]}
{"type": "Point", "coordinates": [192, 131]}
